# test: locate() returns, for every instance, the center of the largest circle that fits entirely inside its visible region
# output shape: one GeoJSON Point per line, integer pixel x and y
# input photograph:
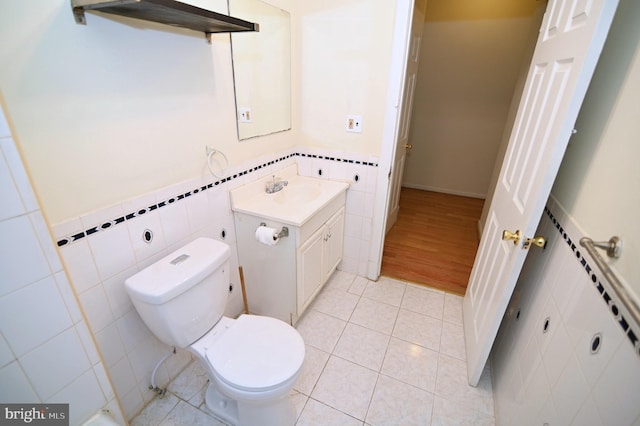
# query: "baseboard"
{"type": "Point", "coordinates": [445, 191]}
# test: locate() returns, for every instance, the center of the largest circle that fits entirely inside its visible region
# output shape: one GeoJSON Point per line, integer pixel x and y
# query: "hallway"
{"type": "Point", "coordinates": [434, 240]}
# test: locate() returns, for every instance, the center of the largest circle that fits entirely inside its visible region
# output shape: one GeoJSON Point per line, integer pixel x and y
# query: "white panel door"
{"type": "Point", "coordinates": [406, 108]}
{"type": "Point", "coordinates": [570, 41]}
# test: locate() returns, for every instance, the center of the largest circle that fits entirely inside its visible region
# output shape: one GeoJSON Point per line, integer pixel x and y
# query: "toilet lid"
{"type": "Point", "coordinates": [257, 353]}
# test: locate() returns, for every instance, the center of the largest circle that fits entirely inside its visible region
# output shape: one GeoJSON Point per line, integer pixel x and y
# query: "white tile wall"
{"type": "Point", "coordinates": [46, 353]}
{"type": "Point", "coordinates": [20, 242]}
{"type": "Point", "coordinates": [553, 377]}
{"type": "Point", "coordinates": [38, 300]}
{"type": "Point", "coordinates": [100, 263]}
{"type": "Point", "coordinates": [360, 197]}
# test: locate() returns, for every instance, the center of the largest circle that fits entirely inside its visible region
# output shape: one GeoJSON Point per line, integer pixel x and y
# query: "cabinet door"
{"type": "Point", "coordinates": [310, 272]}
{"type": "Point", "coordinates": [334, 239]}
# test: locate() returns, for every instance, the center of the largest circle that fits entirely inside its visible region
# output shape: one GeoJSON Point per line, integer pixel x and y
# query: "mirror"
{"type": "Point", "coordinates": [261, 69]}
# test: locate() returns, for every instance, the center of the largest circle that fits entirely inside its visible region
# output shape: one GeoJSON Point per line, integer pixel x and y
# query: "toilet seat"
{"type": "Point", "coordinates": [257, 354]}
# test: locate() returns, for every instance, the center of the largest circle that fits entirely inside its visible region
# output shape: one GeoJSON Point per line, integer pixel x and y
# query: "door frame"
{"type": "Point", "coordinates": [395, 90]}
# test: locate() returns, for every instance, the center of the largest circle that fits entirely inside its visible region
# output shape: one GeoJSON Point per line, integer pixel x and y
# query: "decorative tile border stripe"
{"type": "Point", "coordinates": [613, 308]}
{"type": "Point", "coordinates": [179, 197]}
{"type": "Point", "coordinates": [344, 160]}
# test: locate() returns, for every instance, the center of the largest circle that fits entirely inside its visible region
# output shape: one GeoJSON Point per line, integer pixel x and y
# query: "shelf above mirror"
{"type": "Point", "coordinates": [169, 12]}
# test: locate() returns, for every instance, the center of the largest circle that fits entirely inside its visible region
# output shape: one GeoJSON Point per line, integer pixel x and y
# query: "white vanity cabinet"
{"type": "Point", "coordinates": [318, 257]}
{"type": "Point", "coordinates": [281, 280]}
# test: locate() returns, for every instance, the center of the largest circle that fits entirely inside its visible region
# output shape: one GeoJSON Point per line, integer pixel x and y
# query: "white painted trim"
{"type": "Point", "coordinates": [445, 191]}
{"type": "Point", "coordinates": [397, 71]}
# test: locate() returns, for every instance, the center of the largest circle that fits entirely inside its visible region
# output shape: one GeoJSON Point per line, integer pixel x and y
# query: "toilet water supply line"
{"type": "Point", "coordinates": [153, 386]}
{"type": "Point", "coordinates": [211, 151]}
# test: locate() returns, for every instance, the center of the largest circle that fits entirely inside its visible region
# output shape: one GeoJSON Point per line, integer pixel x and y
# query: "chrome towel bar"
{"type": "Point", "coordinates": [613, 247]}
{"type": "Point", "coordinates": [613, 250]}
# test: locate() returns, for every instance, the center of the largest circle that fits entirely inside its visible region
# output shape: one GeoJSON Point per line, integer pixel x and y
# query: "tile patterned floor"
{"type": "Point", "coordinates": [378, 353]}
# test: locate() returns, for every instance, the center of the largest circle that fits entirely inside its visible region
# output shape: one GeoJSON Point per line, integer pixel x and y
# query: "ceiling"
{"type": "Point", "coordinates": [462, 10]}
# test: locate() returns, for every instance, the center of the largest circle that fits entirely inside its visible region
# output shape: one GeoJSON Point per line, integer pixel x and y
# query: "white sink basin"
{"type": "Point", "coordinates": [298, 193]}
{"type": "Point", "coordinates": [295, 204]}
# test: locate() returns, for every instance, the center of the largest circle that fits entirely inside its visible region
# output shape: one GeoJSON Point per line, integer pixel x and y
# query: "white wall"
{"type": "Point", "coordinates": [468, 71]}
{"type": "Point", "coordinates": [129, 107]}
{"type": "Point", "coordinates": [46, 350]}
{"type": "Point", "coordinates": [344, 68]}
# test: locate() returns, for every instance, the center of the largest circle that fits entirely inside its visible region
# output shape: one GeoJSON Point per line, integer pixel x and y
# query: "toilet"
{"type": "Point", "coordinates": [252, 361]}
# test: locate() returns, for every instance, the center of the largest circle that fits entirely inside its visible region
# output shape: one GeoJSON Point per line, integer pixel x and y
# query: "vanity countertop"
{"type": "Point", "coordinates": [294, 205]}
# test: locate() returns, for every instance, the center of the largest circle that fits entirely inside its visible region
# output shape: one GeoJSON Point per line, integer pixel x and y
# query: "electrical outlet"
{"type": "Point", "coordinates": [354, 123]}
{"type": "Point", "coordinates": [244, 115]}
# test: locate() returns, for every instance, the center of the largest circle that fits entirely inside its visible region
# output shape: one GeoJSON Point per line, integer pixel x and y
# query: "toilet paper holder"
{"type": "Point", "coordinates": [283, 233]}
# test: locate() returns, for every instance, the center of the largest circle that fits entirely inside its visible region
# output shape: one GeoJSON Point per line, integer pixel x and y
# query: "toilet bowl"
{"type": "Point", "coordinates": [252, 361]}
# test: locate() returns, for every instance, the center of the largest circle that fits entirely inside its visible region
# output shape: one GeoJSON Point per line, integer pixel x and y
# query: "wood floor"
{"type": "Point", "coordinates": [434, 240]}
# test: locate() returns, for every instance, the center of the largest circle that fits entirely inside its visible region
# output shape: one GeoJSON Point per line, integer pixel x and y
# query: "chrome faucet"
{"type": "Point", "coordinates": [275, 185]}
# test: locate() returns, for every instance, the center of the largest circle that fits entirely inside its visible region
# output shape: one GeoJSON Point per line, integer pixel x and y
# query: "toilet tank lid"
{"type": "Point", "coordinates": [177, 272]}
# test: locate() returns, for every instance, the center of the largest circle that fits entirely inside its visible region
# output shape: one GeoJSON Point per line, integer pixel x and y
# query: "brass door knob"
{"type": "Point", "coordinates": [511, 236]}
{"type": "Point", "coordinates": [537, 241]}
{"type": "Point", "coordinates": [408, 146]}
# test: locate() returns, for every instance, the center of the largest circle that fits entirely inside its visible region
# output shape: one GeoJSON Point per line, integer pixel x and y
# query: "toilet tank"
{"type": "Point", "coordinates": [183, 295]}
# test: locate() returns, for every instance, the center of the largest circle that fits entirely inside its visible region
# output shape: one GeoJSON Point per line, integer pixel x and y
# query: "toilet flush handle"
{"type": "Point", "coordinates": [180, 259]}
